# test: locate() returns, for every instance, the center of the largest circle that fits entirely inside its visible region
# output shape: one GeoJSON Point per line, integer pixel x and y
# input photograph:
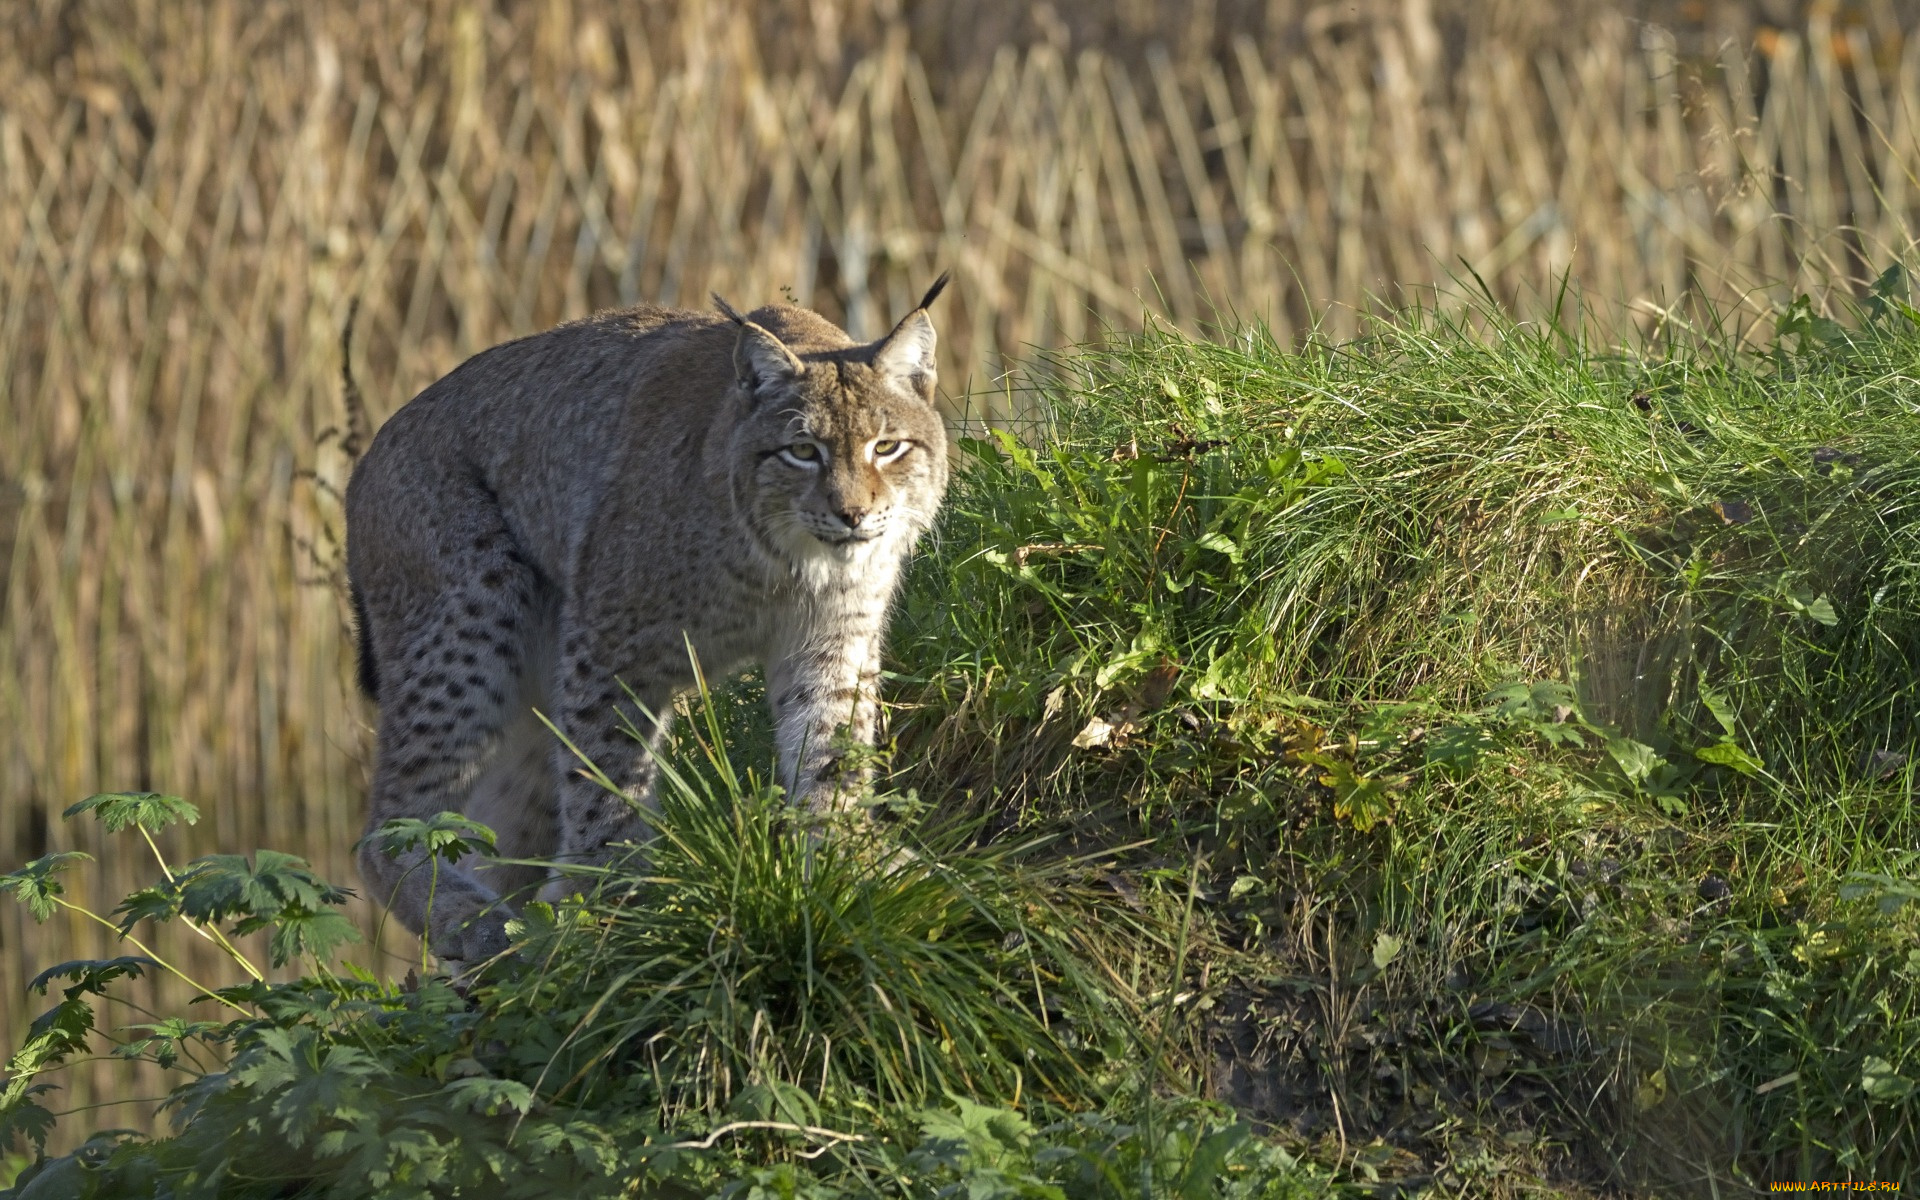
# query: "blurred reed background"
{"type": "Point", "coordinates": [192, 194]}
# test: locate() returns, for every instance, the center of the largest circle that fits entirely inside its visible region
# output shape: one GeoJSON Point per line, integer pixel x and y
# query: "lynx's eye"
{"type": "Point", "coordinates": [804, 454]}
{"type": "Point", "coordinates": [888, 448]}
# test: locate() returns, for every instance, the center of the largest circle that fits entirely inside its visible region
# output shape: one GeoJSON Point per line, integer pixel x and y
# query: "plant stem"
{"type": "Point", "coordinates": [141, 946]}
{"type": "Point", "coordinates": [209, 932]}
{"type": "Point", "coordinates": [1160, 1035]}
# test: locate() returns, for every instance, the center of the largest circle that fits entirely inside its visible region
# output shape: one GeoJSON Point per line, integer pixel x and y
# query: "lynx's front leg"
{"type": "Point", "coordinates": [823, 688]}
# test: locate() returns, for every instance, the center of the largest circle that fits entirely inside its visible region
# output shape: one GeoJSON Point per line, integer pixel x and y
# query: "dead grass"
{"type": "Point", "coordinates": [181, 236]}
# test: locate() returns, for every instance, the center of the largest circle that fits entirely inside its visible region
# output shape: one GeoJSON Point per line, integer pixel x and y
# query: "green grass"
{"type": "Point", "coordinates": [1485, 760]}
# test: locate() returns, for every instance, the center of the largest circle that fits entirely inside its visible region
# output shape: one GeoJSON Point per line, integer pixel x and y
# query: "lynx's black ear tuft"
{"type": "Point", "coordinates": [907, 353]}
{"type": "Point", "coordinates": [726, 309]}
{"type": "Point", "coordinates": [933, 293]}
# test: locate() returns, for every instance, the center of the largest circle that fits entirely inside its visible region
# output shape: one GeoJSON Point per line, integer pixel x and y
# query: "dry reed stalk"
{"type": "Point", "coordinates": [183, 252]}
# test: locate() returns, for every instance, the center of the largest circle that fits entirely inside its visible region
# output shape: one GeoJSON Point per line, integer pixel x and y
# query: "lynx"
{"type": "Point", "coordinates": [551, 526]}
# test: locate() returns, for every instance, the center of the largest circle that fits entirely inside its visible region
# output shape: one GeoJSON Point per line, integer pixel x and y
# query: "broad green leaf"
{"type": "Point", "coordinates": [1510, 700]}
{"type": "Point", "coordinates": [1221, 543]}
{"type": "Point", "coordinates": [158, 903]}
{"type": "Point", "coordinates": [326, 1083]}
{"type": "Point", "coordinates": [1728, 754]}
{"type": "Point", "coordinates": [1206, 1168]}
{"type": "Point", "coordinates": [1718, 706]}
{"type": "Point", "coordinates": [1880, 1081]}
{"type": "Point", "coordinates": [221, 886]}
{"type": "Point", "coordinates": [164, 1037]}
{"type": "Point", "coordinates": [26, 1119]}
{"type": "Point", "coordinates": [1888, 293]}
{"type": "Point", "coordinates": [1553, 700]}
{"type": "Point", "coordinates": [55, 1033]}
{"type": "Point", "coordinates": [1889, 893]}
{"type": "Point", "coordinates": [1329, 467]}
{"type": "Point", "coordinates": [1636, 760]}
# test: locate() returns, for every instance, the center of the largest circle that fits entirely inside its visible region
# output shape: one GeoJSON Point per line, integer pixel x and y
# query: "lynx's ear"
{"type": "Point", "coordinates": [758, 356]}
{"type": "Point", "coordinates": [906, 354]}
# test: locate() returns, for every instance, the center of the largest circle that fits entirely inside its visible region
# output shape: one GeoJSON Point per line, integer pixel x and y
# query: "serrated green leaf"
{"type": "Point", "coordinates": [1457, 748]}
{"type": "Point", "coordinates": [1358, 799]}
{"type": "Point", "coordinates": [1208, 1161]}
{"type": "Point", "coordinates": [1510, 700]}
{"type": "Point", "coordinates": [1890, 894]}
{"type": "Point", "coordinates": [222, 886]}
{"type": "Point", "coordinates": [297, 931]}
{"type": "Point", "coordinates": [26, 1120]}
{"type": "Point", "coordinates": [1561, 734]}
{"type": "Point", "coordinates": [35, 885]}
{"type": "Point", "coordinates": [488, 1096]}
{"type": "Point", "coordinates": [55, 1033]}
{"type": "Point", "coordinates": [445, 835]}
{"type": "Point", "coordinates": [149, 810]}
{"type": "Point", "coordinates": [159, 903]}
{"type": "Point", "coordinates": [164, 1038]}
{"type": "Point", "coordinates": [1888, 293]}
{"type": "Point", "coordinates": [91, 975]}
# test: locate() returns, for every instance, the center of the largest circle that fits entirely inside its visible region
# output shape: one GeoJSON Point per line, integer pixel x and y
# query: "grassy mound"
{"type": "Point", "coordinates": [1545, 718]}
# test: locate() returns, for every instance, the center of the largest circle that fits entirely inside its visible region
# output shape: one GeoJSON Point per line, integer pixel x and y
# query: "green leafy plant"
{"type": "Point", "coordinates": [1190, 1153]}
{"type": "Point", "coordinates": [761, 988]}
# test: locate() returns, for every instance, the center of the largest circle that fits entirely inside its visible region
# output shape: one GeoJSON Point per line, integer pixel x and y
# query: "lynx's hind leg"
{"type": "Point", "coordinates": [515, 797]}
{"type": "Point", "coordinates": [452, 632]}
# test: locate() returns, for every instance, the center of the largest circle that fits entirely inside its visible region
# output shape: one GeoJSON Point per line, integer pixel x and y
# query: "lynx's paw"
{"type": "Point", "coordinates": [464, 943]}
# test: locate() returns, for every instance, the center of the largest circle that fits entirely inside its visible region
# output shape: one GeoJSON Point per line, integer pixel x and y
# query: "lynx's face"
{"type": "Point", "coordinates": [842, 455]}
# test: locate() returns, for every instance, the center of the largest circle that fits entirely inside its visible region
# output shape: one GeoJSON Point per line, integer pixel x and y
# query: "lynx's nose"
{"type": "Point", "coordinates": [851, 517]}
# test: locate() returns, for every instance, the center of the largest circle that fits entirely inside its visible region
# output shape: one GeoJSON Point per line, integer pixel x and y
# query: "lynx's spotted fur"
{"type": "Point", "coordinates": [557, 519]}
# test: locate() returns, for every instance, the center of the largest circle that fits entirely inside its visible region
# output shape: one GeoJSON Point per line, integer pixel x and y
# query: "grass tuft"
{"type": "Point", "coordinates": [758, 962]}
